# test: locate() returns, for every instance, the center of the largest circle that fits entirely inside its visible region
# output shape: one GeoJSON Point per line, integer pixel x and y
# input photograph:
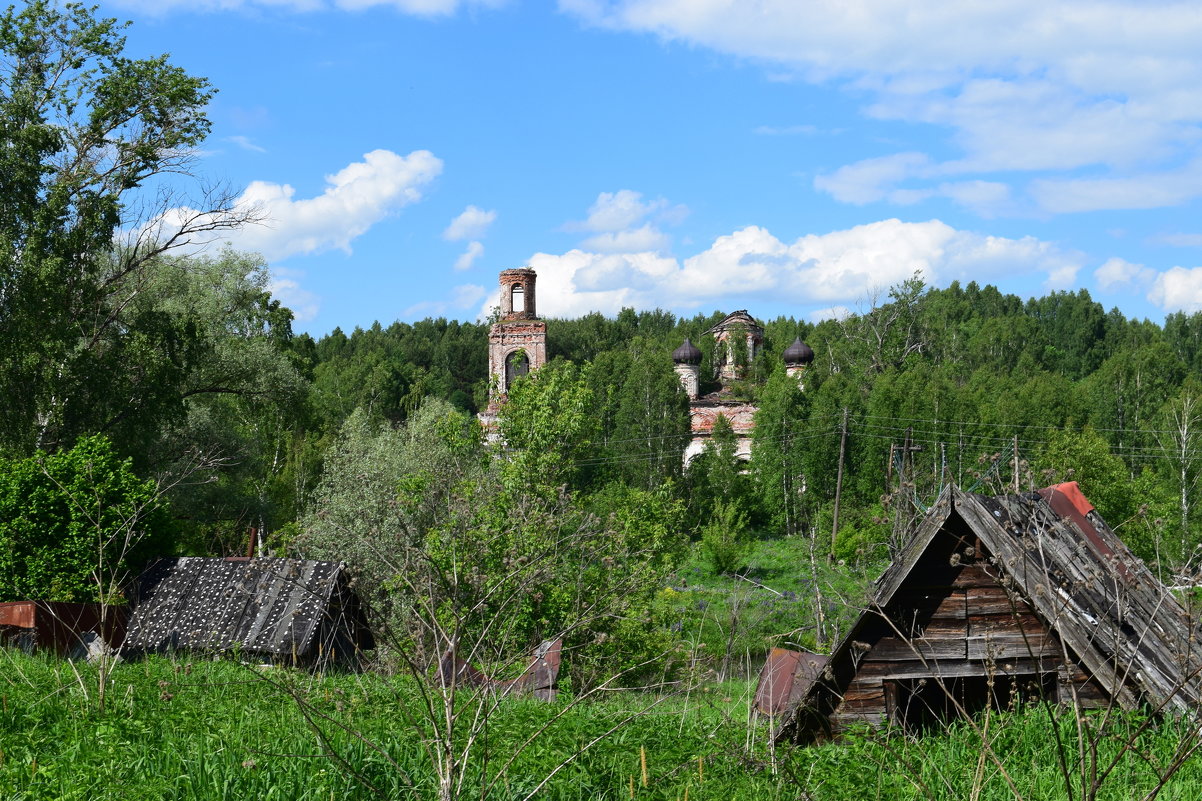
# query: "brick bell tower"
{"type": "Point", "coordinates": [517, 342]}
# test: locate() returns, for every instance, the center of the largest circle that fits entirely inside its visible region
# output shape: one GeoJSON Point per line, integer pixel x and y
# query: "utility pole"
{"type": "Point", "coordinates": [839, 483]}
{"type": "Point", "coordinates": [942, 464]}
{"type": "Point", "coordinates": [901, 504]}
{"type": "Point", "coordinates": [1016, 489]}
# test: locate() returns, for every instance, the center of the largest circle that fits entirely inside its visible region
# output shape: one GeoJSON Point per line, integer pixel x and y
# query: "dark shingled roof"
{"type": "Point", "coordinates": [798, 353]}
{"type": "Point", "coordinates": [687, 353]}
{"type": "Point", "coordinates": [1128, 630]}
{"type": "Point", "coordinates": [293, 609]}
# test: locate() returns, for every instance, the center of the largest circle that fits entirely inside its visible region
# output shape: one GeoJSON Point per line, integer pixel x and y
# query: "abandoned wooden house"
{"type": "Point", "coordinates": [283, 610]}
{"type": "Point", "coordinates": [997, 601]}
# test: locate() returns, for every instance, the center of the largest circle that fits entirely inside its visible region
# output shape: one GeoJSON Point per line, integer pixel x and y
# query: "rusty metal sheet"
{"type": "Point", "coordinates": [776, 681]}
{"type": "Point", "coordinates": [539, 678]}
{"type": "Point", "coordinates": [785, 677]}
{"type": "Point", "coordinates": [457, 672]}
{"type": "Point", "coordinates": [58, 626]}
{"type": "Point", "coordinates": [1070, 503]}
{"type": "Point", "coordinates": [20, 614]}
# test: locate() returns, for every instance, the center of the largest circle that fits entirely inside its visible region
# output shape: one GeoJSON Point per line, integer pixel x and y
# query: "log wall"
{"type": "Point", "coordinates": [953, 624]}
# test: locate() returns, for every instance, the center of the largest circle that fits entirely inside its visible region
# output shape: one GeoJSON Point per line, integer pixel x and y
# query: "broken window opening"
{"type": "Point", "coordinates": [517, 364]}
{"type": "Point", "coordinates": [920, 704]}
{"type": "Point", "coordinates": [518, 299]}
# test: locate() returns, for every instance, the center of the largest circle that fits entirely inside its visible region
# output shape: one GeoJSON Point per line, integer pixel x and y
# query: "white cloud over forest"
{"type": "Point", "coordinates": [356, 197]}
{"type": "Point", "coordinates": [823, 273]}
{"type": "Point", "coordinates": [1178, 289]}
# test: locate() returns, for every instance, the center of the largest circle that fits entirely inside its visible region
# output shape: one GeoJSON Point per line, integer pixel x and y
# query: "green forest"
{"type": "Point", "coordinates": [157, 401]}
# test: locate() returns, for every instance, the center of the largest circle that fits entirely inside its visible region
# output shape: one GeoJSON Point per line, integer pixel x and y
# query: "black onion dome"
{"type": "Point", "coordinates": [799, 353]}
{"type": "Point", "coordinates": [687, 353]}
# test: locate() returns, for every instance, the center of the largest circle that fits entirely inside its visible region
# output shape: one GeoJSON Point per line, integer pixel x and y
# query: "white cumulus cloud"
{"type": "Point", "coordinates": [1120, 275]}
{"type": "Point", "coordinates": [1178, 289]}
{"type": "Point", "coordinates": [1022, 89]}
{"type": "Point", "coordinates": [615, 211]}
{"type": "Point", "coordinates": [472, 223]}
{"type": "Point", "coordinates": [822, 271]}
{"type": "Point", "coordinates": [622, 222]}
{"type": "Point", "coordinates": [645, 237]}
{"type": "Point", "coordinates": [355, 198]}
{"type": "Point", "coordinates": [466, 259]}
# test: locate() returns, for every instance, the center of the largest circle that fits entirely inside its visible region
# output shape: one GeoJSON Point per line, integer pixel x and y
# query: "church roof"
{"type": "Point", "coordinates": [687, 353]}
{"type": "Point", "coordinates": [740, 318]}
{"type": "Point", "coordinates": [798, 353]}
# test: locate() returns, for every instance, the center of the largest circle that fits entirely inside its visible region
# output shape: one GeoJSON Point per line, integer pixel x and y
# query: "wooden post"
{"type": "Point", "coordinates": [1016, 489]}
{"type": "Point", "coordinates": [839, 483]}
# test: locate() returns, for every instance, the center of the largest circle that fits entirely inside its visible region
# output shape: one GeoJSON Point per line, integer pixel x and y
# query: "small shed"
{"type": "Point", "coordinates": [1000, 600]}
{"type": "Point", "coordinates": [285, 610]}
{"type": "Point", "coordinates": [59, 626]}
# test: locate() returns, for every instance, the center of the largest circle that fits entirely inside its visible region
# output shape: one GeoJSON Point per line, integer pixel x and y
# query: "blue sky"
{"type": "Point", "coordinates": [785, 157]}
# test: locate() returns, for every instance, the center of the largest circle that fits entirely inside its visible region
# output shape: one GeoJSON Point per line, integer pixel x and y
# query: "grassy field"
{"type": "Point", "coordinates": [220, 730]}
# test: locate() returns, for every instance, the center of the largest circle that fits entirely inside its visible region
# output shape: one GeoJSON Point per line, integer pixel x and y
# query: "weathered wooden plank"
{"type": "Point", "coordinates": [886, 670]}
{"type": "Point", "coordinates": [981, 624]}
{"type": "Point", "coordinates": [994, 601]}
{"type": "Point", "coordinates": [898, 649]}
{"type": "Point", "coordinates": [945, 629]}
{"type": "Point", "coordinates": [949, 605]}
{"type": "Point", "coordinates": [976, 575]}
{"type": "Point", "coordinates": [866, 701]}
{"type": "Point", "coordinates": [1013, 645]}
{"type": "Point", "coordinates": [865, 691]}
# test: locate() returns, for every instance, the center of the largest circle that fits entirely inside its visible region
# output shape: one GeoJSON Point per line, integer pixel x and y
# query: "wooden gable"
{"type": "Point", "coordinates": [998, 600]}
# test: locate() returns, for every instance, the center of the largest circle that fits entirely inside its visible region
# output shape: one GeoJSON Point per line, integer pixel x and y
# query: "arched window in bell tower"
{"type": "Point", "coordinates": [518, 299]}
{"type": "Point", "coordinates": [517, 364]}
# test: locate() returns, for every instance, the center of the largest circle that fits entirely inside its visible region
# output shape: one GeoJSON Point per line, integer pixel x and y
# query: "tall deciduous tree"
{"type": "Point", "coordinates": [1180, 438]}
{"type": "Point", "coordinates": [82, 130]}
{"type": "Point", "coordinates": [778, 447]}
{"type": "Point", "coordinates": [75, 524]}
{"type": "Point", "coordinates": [650, 424]}
{"type": "Point", "coordinates": [548, 424]}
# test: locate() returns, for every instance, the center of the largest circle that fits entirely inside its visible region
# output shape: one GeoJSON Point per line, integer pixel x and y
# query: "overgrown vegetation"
{"type": "Point", "coordinates": [156, 402]}
{"type": "Point", "coordinates": [214, 730]}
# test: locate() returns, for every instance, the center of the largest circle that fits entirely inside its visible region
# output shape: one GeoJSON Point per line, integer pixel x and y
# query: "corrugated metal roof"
{"type": "Point", "coordinates": [271, 607]}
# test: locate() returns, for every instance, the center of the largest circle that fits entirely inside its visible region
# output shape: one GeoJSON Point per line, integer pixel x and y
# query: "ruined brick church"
{"type": "Point", "coordinates": [517, 344]}
{"type": "Point", "coordinates": [517, 341]}
{"type": "Point", "coordinates": [737, 334]}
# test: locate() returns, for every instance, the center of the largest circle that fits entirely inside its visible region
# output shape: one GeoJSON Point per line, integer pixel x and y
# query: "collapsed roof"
{"type": "Point", "coordinates": [1030, 585]}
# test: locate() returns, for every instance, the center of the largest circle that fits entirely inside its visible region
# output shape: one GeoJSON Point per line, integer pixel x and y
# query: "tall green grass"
{"type": "Point", "coordinates": [174, 729]}
{"type": "Point", "coordinates": [219, 730]}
